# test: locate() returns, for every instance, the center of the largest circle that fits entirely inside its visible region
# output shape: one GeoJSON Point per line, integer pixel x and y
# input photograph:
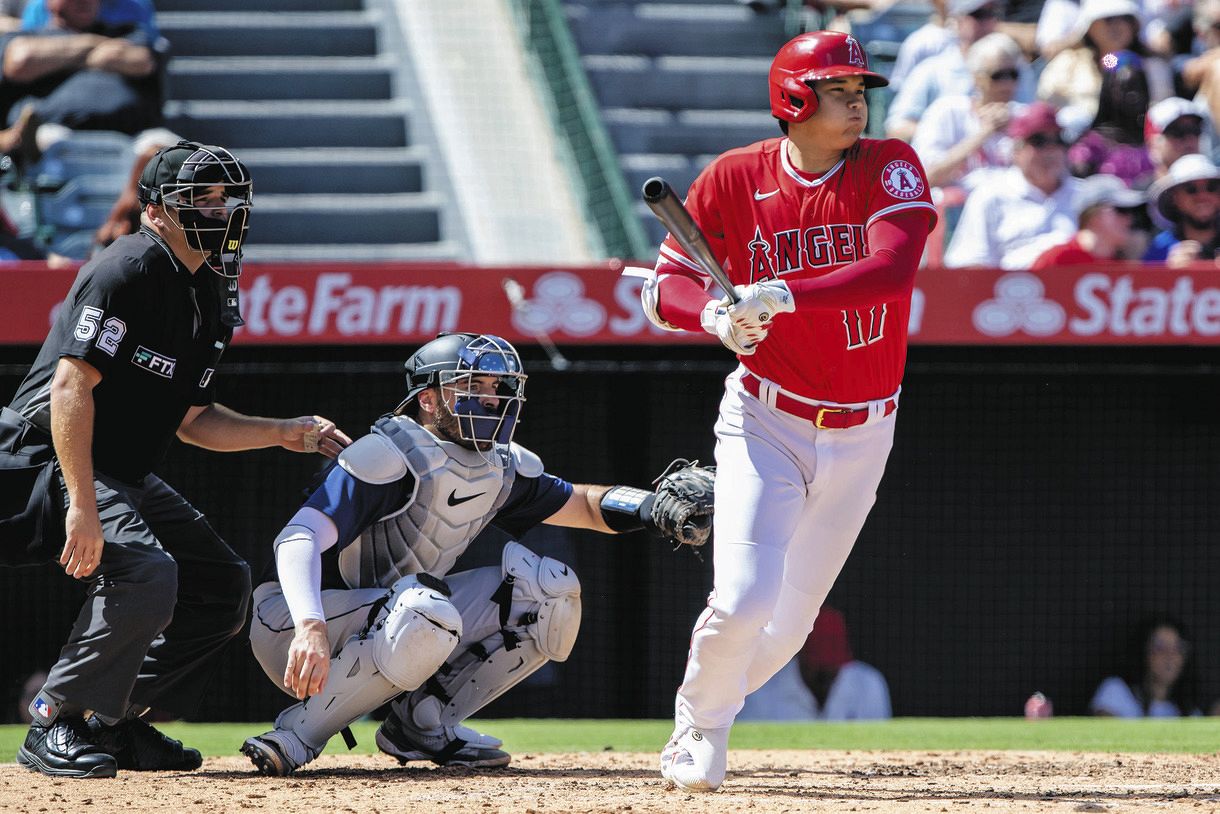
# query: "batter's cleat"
{"type": "Point", "coordinates": [278, 753]}
{"type": "Point", "coordinates": [65, 748]}
{"type": "Point", "coordinates": [138, 746]}
{"type": "Point", "coordinates": [444, 746]}
{"type": "Point", "coordinates": [696, 759]}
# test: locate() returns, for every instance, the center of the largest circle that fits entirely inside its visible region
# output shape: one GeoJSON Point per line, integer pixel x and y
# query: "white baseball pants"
{"type": "Point", "coordinates": [790, 501]}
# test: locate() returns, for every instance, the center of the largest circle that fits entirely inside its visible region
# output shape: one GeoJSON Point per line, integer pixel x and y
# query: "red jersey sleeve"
{"type": "Point", "coordinates": [895, 180]}
{"type": "Point", "coordinates": [683, 288]}
{"type": "Point", "coordinates": [898, 216]}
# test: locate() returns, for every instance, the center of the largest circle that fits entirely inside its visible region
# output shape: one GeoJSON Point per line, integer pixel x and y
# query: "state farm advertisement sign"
{"type": "Point", "coordinates": [396, 303]}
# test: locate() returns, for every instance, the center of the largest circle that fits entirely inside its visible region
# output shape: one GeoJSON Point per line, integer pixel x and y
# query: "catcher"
{"type": "Point", "coordinates": [362, 607]}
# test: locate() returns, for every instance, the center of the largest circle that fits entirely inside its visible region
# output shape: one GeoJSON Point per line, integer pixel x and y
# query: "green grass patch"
{"type": "Point", "coordinates": [1178, 735]}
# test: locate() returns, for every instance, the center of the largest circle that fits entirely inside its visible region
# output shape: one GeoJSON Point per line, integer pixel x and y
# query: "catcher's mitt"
{"type": "Point", "coordinates": [682, 510]}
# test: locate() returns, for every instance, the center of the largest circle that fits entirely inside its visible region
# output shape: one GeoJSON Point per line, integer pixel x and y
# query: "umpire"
{"type": "Point", "coordinates": [128, 365]}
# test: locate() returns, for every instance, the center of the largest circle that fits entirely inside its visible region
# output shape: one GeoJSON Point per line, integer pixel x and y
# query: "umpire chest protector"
{"type": "Point", "coordinates": [456, 494]}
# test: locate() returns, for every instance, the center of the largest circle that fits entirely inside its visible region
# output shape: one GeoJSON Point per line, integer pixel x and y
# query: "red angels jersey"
{"type": "Point", "coordinates": [765, 219]}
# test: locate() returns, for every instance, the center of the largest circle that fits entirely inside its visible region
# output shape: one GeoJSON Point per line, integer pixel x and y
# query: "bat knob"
{"type": "Point", "coordinates": [655, 189]}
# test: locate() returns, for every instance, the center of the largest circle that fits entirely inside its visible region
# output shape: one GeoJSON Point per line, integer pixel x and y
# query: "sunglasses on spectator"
{"type": "Point", "coordinates": [1183, 130]}
{"type": "Point", "coordinates": [985, 13]}
{"type": "Point", "coordinates": [1201, 187]}
{"type": "Point", "coordinates": [1040, 140]}
{"type": "Point", "coordinates": [1011, 74]}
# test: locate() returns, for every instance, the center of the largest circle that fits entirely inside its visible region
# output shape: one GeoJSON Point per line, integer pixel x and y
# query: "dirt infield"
{"type": "Point", "coordinates": [758, 782]}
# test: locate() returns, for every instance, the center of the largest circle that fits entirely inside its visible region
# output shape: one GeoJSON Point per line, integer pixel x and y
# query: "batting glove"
{"type": "Point", "coordinates": [741, 339]}
{"type": "Point", "coordinates": [760, 302]}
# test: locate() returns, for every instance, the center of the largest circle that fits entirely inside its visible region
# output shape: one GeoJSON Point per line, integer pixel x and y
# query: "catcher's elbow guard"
{"type": "Point", "coordinates": [625, 508]}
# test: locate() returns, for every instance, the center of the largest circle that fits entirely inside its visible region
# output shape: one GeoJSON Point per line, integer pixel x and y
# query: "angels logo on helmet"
{"type": "Point", "coordinates": [855, 56]}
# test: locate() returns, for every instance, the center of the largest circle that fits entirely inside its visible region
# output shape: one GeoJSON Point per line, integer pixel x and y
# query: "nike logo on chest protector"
{"type": "Point", "coordinates": [454, 500]}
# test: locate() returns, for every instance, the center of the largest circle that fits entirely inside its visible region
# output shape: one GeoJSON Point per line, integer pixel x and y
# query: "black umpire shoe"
{"type": "Point", "coordinates": [136, 745]}
{"type": "Point", "coordinates": [65, 748]}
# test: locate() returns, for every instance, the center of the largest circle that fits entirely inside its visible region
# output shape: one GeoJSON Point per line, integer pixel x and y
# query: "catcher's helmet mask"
{"type": "Point", "coordinates": [804, 60]}
{"type": "Point", "coordinates": [183, 178]}
{"type": "Point", "coordinates": [483, 375]}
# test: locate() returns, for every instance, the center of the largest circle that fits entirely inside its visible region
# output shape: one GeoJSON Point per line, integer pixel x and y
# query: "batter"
{"type": "Point", "coordinates": [821, 231]}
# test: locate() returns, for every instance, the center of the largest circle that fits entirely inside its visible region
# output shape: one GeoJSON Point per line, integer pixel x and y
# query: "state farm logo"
{"type": "Point", "coordinates": [1019, 305]}
{"type": "Point", "coordinates": [336, 304]}
{"type": "Point", "coordinates": [558, 303]}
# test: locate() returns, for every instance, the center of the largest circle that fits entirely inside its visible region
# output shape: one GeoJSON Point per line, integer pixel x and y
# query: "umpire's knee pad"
{"type": "Point", "coordinates": [152, 584]}
{"type": "Point", "coordinates": [237, 607]}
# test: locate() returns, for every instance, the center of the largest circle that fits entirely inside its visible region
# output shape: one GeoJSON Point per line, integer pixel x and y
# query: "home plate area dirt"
{"type": "Point", "coordinates": [759, 781]}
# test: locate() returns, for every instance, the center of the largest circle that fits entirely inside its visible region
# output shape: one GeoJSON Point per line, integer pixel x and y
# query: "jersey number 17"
{"type": "Point", "coordinates": [864, 328]}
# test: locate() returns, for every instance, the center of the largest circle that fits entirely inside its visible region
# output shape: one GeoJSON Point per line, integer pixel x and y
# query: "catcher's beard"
{"type": "Point", "coordinates": [446, 425]}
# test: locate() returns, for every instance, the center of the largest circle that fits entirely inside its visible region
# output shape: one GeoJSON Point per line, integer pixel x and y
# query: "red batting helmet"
{"type": "Point", "coordinates": [808, 57]}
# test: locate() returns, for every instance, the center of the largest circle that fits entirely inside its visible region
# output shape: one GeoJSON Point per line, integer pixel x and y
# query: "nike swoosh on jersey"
{"type": "Point", "coordinates": [759, 195]}
{"type": "Point", "coordinates": [454, 500]}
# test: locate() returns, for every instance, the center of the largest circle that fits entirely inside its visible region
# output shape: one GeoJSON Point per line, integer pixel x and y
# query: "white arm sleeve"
{"type": "Point", "coordinates": [298, 561]}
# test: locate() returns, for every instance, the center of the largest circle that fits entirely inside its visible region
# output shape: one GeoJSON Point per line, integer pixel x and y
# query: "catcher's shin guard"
{"type": "Point", "coordinates": [411, 636]}
{"type": "Point", "coordinates": [540, 616]}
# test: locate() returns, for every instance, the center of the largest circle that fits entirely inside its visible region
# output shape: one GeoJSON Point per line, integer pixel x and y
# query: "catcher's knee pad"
{"type": "Point", "coordinates": [543, 620]}
{"type": "Point", "coordinates": [417, 632]}
{"type": "Point", "coordinates": [545, 600]}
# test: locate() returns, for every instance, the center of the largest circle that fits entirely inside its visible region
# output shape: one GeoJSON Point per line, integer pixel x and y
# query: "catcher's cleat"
{"type": "Point", "coordinates": [65, 748]}
{"type": "Point", "coordinates": [278, 753]}
{"type": "Point", "coordinates": [696, 759]}
{"type": "Point", "coordinates": [138, 746]}
{"type": "Point", "coordinates": [443, 746]}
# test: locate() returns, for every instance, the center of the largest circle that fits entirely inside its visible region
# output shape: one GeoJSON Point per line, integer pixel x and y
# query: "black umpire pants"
{"type": "Point", "coordinates": [166, 597]}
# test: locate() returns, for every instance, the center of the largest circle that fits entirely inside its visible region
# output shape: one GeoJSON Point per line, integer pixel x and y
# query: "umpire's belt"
{"type": "Point", "coordinates": [824, 416]}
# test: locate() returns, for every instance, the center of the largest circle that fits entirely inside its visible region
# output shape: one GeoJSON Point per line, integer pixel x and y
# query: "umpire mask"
{"type": "Point", "coordinates": [211, 191]}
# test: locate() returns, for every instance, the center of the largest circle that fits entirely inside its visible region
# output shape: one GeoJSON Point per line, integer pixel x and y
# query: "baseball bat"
{"type": "Point", "coordinates": [660, 197]}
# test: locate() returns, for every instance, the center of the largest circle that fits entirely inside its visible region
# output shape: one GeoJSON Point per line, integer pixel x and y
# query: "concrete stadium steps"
{"type": "Point", "coordinates": [337, 170]}
{"type": "Point", "coordinates": [405, 218]}
{"type": "Point", "coordinates": [254, 78]}
{"type": "Point", "coordinates": [261, 33]}
{"type": "Point", "coordinates": [689, 132]}
{"type": "Point", "coordinates": [678, 82]}
{"type": "Point", "coordinates": [300, 91]}
{"type": "Point", "coordinates": [678, 170]}
{"type": "Point", "coordinates": [649, 28]}
{"type": "Point", "coordinates": [442, 251]}
{"type": "Point", "coordinates": [164, 6]}
{"type": "Point", "coordinates": [332, 123]}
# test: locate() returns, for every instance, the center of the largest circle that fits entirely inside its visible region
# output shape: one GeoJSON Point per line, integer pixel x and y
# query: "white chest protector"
{"type": "Point", "coordinates": [456, 495]}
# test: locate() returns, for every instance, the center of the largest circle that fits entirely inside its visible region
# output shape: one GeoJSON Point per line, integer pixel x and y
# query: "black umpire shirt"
{"type": "Point", "coordinates": [153, 330]}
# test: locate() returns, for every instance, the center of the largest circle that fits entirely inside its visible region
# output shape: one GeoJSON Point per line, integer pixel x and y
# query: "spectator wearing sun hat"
{"type": "Point", "coordinates": [1024, 210]}
{"type": "Point", "coordinates": [1187, 203]}
{"type": "Point", "coordinates": [1106, 214]}
{"type": "Point", "coordinates": [1174, 127]}
{"type": "Point", "coordinates": [1072, 79]}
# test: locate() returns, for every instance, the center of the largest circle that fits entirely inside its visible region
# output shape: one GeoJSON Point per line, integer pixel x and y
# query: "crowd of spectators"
{"type": "Point", "coordinates": [1010, 104]}
{"type": "Point", "coordinates": [77, 65]}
